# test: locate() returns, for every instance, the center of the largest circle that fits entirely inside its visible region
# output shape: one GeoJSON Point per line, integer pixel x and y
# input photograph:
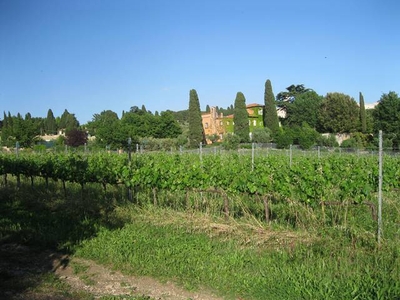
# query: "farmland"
{"type": "Point", "coordinates": [257, 227]}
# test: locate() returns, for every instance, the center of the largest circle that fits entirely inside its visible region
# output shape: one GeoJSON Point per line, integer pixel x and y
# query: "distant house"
{"type": "Point", "coordinates": [218, 124]}
{"type": "Point", "coordinates": [213, 123]}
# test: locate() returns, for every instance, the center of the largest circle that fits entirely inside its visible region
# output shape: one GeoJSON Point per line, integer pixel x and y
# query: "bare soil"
{"type": "Point", "coordinates": [23, 269]}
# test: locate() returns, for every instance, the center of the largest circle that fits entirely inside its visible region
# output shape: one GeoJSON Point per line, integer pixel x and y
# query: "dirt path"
{"type": "Point", "coordinates": [19, 265]}
{"type": "Point", "coordinates": [99, 280]}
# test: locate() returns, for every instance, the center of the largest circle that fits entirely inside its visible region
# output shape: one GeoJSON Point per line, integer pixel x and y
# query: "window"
{"type": "Point", "coordinates": [254, 122]}
{"type": "Point", "coordinates": [260, 112]}
{"type": "Point", "coordinates": [221, 123]}
{"type": "Point", "coordinates": [206, 125]}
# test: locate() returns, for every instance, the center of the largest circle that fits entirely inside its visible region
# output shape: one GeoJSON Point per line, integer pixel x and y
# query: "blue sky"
{"type": "Point", "coordinates": [88, 56]}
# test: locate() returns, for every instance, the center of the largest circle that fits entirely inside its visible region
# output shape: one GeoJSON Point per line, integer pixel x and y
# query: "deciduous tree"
{"type": "Point", "coordinates": [304, 109]}
{"type": "Point", "coordinates": [285, 98]}
{"type": "Point", "coordinates": [75, 137]}
{"type": "Point", "coordinates": [387, 117]}
{"type": "Point", "coordinates": [339, 113]}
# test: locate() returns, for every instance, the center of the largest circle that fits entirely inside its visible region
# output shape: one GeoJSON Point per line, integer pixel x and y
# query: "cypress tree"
{"type": "Point", "coordinates": [4, 119]}
{"type": "Point", "coordinates": [241, 118]}
{"type": "Point", "coordinates": [50, 123]}
{"type": "Point", "coordinates": [363, 117]}
{"type": "Point", "coordinates": [196, 132]}
{"type": "Point", "coordinates": [63, 120]}
{"type": "Point", "coordinates": [270, 115]}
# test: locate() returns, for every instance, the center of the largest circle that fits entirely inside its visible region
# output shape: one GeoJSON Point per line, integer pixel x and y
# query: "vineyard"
{"type": "Point", "coordinates": [300, 227]}
{"type": "Point", "coordinates": [262, 181]}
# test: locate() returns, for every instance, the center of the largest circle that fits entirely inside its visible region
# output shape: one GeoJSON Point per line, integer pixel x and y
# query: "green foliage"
{"type": "Point", "coordinates": [387, 117]}
{"type": "Point", "coordinates": [358, 141]}
{"type": "Point", "coordinates": [327, 141]}
{"type": "Point", "coordinates": [50, 123]}
{"type": "Point", "coordinates": [157, 144]}
{"type": "Point", "coordinates": [284, 139]}
{"type": "Point", "coordinates": [290, 95]}
{"type": "Point", "coordinates": [305, 108]}
{"type": "Point", "coordinates": [17, 129]}
{"type": "Point", "coordinates": [241, 118]}
{"type": "Point", "coordinates": [318, 270]}
{"type": "Point", "coordinates": [167, 126]}
{"type": "Point", "coordinates": [261, 135]}
{"type": "Point", "coordinates": [213, 138]}
{"type": "Point", "coordinates": [270, 115]}
{"type": "Point", "coordinates": [307, 136]}
{"type": "Point", "coordinates": [231, 173]}
{"type": "Point", "coordinates": [363, 117]}
{"type": "Point", "coordinates": [68, 121]}
{"type": "Point", "coordinates": [338, 113]}
{"type": "Point", "coordinates": [337, 259]}
{"type": "Point", "coordinates": [137, 124]}
{"type": "Point", "coordinates": [106, 127]}
{"type": "Point", "coordinates": [196, 132]}
{"type": "Point", "coordinates": [231, 142]}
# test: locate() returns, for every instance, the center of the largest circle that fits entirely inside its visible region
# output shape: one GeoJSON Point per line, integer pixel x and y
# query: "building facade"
{"type": "Point", "coordinates": [217, 125]}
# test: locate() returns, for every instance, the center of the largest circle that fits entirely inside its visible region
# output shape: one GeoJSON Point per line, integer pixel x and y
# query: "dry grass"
{"type": "Point", "coordinates": [248, 232]}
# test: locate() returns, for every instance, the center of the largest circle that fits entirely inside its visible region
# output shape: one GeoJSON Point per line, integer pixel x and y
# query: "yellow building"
{"type": "Point", "coordinates": [213, 123]}
{"type": "Point", "coordinates": [218, 124]}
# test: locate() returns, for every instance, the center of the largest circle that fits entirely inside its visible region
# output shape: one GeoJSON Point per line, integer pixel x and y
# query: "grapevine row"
{"type": "Point", "coordinates": [308, 179]}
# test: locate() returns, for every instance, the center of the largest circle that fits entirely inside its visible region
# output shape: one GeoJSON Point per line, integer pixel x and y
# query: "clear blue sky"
{"type": "Point", "coordinates": [89, 56]}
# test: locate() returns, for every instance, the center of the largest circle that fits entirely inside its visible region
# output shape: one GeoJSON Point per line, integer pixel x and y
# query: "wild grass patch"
{"type": "Point", "coordinates": [318, 268]}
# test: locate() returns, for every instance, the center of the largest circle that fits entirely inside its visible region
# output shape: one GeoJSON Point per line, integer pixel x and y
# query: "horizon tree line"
{"type": "Point", "coordinates": [305, 111]}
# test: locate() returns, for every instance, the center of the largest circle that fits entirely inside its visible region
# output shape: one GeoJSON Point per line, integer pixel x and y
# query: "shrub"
{"type": "Point", "coordinates": [261, 135]}
{"type": "Point", "coordinates": [231, 142]}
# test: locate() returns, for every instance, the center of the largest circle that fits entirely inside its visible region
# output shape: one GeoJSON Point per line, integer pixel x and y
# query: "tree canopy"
{"type": "Point", "coordinates": [304, 109]}
{"type": "Point", "coordinates": [338, 113]}
{"type": "Point", "coordinates": [75, 137]}
{"type": "Point", "coordinates": [387, 116]}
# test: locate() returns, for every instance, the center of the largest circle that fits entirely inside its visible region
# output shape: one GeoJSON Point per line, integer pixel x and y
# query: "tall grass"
{"type": "Point", "coordinates": [318, 268]}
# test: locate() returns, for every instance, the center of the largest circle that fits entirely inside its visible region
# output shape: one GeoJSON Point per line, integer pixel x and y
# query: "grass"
{"type": "Point", "coordinates": [302, 253]}
{"type": "Point", "coordinates": [234, 266]}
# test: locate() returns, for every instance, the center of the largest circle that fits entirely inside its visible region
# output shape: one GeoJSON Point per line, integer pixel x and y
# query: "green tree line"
{"type": "Point", "coordinates": [303, 116]}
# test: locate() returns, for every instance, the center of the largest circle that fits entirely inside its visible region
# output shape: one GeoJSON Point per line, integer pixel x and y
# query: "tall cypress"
{"type": "Point", "coordinates": [363, 117]}
{"type": "Point", "coordinates": [50, 123]}
{"type": "Point", "coordinates": [196, 132]}
{"type": "Point", "coordinates": [270, 115]}
{"type": "Point", "coordinates": [241, 118]}
{"type": "Point", "coordinates": [63, 120]}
